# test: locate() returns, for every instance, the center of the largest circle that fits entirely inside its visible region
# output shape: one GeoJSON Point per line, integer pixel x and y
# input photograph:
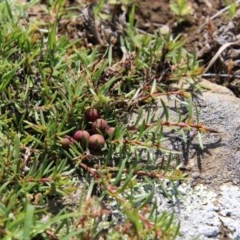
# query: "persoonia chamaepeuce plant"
{"type": "Point", "coordinates": [54, 184]}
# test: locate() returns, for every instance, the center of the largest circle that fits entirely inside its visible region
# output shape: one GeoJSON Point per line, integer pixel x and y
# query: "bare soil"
{"type": "Point", "coordinates": [205, 31]}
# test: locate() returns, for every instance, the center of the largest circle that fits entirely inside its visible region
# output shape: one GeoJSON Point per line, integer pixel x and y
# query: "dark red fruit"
{"type": "Point", "coordinates": [67, 141]}
{"type": "Point", "coordinates": [92, 114]}
{"type": "Point", "coordinates": [96, 143]}
{"type": "Point", "coordinates": [110, 131]}
{"type": "Point", "coordinates": [99, 125]}
{"type": "Point", "coordinates": [81, 136]}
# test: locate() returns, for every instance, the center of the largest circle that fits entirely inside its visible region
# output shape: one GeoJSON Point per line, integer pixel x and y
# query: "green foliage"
{"type": "Point", "coordinates": [232, 8]}
{"type": "Point", "coordinates": [181, 8]}
{"type": "Point", "coordinates": [46, 84]}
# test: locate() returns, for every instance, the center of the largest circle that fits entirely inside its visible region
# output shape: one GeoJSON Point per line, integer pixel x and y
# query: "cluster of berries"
{"type": "Point", "coordinates": [100, 130]}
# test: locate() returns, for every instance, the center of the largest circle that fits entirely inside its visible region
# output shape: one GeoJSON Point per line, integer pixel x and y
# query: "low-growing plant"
{"type": "Point", "coordinates": [181, 8]}
{"type": "Point", "coordinates": [64, 126]}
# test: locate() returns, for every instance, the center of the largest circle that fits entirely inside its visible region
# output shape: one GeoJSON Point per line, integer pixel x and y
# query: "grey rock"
{"type": "Point", "coordinates": [221, 159]}
{"type": "Point", "coordinates": [209, 200]}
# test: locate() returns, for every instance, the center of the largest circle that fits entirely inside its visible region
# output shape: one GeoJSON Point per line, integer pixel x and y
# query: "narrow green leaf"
{"type": "Point", "coordinates": [165, 109]}
{"type": "Point", "coordinates": [127, 181]}
{"type": "Point", "coordinates": [168, 163]}
{"type": "Point", "coordinates": [132, 16]}
{"type": "Point", "coordinates": [119, 174]}
{"type": "Point", "coordinates": [190, 108]}
{"type": "Point", "coordinates": [9, 9]}
{"type": "Point", "coordinates": [6, 79]}
{"type": "Point", "coordinates": [28, 222]}
{"type": "Point", "coordinates": [16, 150]}
{"type": "Point", "coordinates": [133, 216]}
{"type": "Point", "coordinates": [139, 117]}
{"type": "Point", "coordinates": [148, 198]}
{"type": "Point", "coordinates": [169, 223]}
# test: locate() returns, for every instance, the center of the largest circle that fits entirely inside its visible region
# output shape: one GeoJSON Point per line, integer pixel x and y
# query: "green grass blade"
{"type": "Point", "coordinates": [28, 222]}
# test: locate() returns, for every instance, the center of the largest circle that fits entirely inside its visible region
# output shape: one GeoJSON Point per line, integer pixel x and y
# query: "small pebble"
{"type": "Point", "coordinates": [196, 175]}
{"type": "Point", "coordinates": [209, 231]}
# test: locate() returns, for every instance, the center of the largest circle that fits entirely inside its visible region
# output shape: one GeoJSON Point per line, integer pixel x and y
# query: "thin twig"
{"type": "Point", "coordinates": [222, 11]}
{"type": "Point", "coordinates": [197, 126]}
{"type": "Point", "coordinates": [211, 18]}
{"type": "Point", "coordinates": [219, 52]}
{"type": "Point", "coordinates": [220, 75]}
{"type": "Point", "coordinates": [92, 171]}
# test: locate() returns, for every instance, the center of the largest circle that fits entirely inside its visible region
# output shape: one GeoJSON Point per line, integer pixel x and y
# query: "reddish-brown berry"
{"type": "Point", "coordinates": [110, 131]}
{"type": "Point", "coordinates": [92, 114]}
{"type": "Point", "coordinates": [99, 125]}
{"type": "Point", "coordinates": [96, 143]}
{"type": "Point", "coordinates": [67, 141]}
{"type": "Point", "coordinates": [81, 136]}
